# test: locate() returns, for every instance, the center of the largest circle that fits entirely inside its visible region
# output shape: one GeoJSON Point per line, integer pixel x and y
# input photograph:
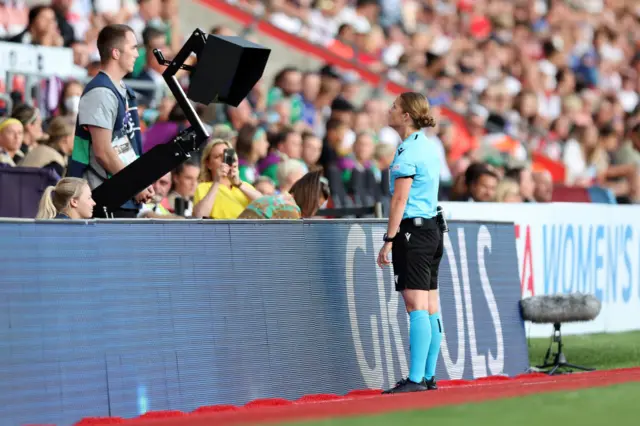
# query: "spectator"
{"type": "Point", "coordinates": [42, 28]}
{"type": "Point", "coordinates": [54, 153]}
{"type": "Point", "coordinates": [251, 146]}
{"type": "Point", "coordinates": [481, 182]}
{"type": "Point", "coordinates": [153, 38]}
{"type": "Point", "coordinates": [70, 100]}
{"type": "Point", "coordinates": [583, 157]}
{"type": "Point", "coordinates": [69, 199]}
{"type": "Point", "coordinates": [331, 146]}
{"type": "Point", "coordinates": [311, 150]}
{"type": "Point", "coordinates": [310, 90]}
{"type": "Point", "coordinates": [226, 132]}
{"type": "Point", "coordinates": [508, 191]}
{"type": "Point", "coordinates": [622, 179]}
{"type": "Point", "coordinates": [32, 125]}
{"type": "Point", "coordinates": [149, 15]}
{"type": "Point", "coordinates": [265, 185]}
{"type": "Point", "coordinates": [61, 9]}
{"type": "Point", "coordinates": [468, 138]}
{"type": "Point", "coordinates": [11, 134]}
{"type": "Point", "coordinates": [524, 178]}
{"type": "Point", "coordinates": [543, 186]}
{"type": "Point", "coordinates": [629, 152]}
{"type": "Point", "coordinates": [185, 182]}
{"type": "Point", "coordinates": [240, 115]}
{"type": "Point", "coordinates": [171, 20]}
{"type": "Point", "coordinates": [13, 18]}
{"type": "Point", "coordinates": [442, 135]}
{"type": "Point", "coordinates": [361, 159]}
{"type": "Point", "coordinates": [307, 195]}
{"type": "Point", "coordinates": [286, 144]}
{"type": "Point", "coordinates": [383, 155]}
{"type": "Point", "coordinates": [343, 110]}
{"type": "Point", "coordinates": [287, 86]}
{"type": "Point", "coordinates": [223, 31]}
{"type": "Point", "coordinates": [276, 206]}
{"type": "Point", "coordinates": [221, 194]}
{"type": "Point", "coordinates": [289, 172]}
{"type": "Point", "coordinates": [156, 208]}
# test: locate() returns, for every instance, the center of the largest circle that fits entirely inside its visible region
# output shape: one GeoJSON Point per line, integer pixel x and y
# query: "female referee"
{"type": "Point", "coordinates": [414, 236]}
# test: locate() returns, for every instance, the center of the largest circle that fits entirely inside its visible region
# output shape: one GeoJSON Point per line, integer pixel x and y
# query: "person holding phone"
{"type": "Point", "coordinates": [221, 194]}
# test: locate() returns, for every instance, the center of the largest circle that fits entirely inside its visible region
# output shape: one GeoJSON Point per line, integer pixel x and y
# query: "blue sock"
{"type": "Point", "coordinates": [434, 347]}
{"type": "Point", "coordinates": [419, 340]}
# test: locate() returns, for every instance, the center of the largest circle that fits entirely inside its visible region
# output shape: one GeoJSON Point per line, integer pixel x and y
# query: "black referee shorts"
{"type": "Point", "coordinates": [416, 255]}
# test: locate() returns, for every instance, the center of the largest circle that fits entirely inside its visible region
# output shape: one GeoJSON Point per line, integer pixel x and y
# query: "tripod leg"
{"type": "Point", "coordinates": [554, 369]}
{"type": "Point", "coordinates": [547, 356]}
{"type": "Point", "coordinates": [578, 367]}
{"type": "Point", "coordinates": [546, 365]}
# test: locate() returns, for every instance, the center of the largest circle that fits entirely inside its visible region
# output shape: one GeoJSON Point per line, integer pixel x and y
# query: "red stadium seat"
{"type": "Point", "coordinates": [570, 194]}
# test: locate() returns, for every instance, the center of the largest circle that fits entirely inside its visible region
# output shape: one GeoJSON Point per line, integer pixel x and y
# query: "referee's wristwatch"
{"type": "Point", "coordinates": [387, 239]}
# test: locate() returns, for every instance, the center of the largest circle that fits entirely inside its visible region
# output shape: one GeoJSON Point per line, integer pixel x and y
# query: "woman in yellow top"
{"type": "Point", "coordinates": [221, 194]}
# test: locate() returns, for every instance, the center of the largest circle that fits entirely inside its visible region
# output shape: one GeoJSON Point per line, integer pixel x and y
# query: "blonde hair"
{"type": "Point", "coordinates": [205, 173]}
{"type": "Point", "coordinates": [383, 150]}
{"type": "Point", "coordinates": [59, 127]}
{"type": "Point", "coordinates": [56, 199]}
{"type": "Point", "coordinates": [505, 188]}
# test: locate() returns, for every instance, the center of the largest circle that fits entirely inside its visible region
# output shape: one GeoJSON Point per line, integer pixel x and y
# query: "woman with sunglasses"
{"type": "Point", "coordinates": [304, 200]}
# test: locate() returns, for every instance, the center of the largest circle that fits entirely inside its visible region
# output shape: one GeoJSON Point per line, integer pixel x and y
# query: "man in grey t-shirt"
{"type": "Point", "coordinates": [98, 112]}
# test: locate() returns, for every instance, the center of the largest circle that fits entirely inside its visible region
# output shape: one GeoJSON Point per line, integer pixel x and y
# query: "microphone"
{"type": "Point", "coordinates": [560, 308]}
{"type": "Point", "coordinates": [557, 309]}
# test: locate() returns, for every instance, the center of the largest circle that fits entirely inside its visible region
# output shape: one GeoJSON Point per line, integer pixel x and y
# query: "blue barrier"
{"type": "Point", "coordinates": [117, 318]}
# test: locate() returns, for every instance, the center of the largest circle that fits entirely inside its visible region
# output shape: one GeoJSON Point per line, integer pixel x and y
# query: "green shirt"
{"type": "Point", "coordinates": [247, 173]}
{"type": "Point", "coordinates": [296, 105]}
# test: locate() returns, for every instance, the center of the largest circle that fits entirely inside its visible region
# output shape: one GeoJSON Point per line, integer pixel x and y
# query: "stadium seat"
{"type": "Point", "coordinates": [21, 189]}
{"type": "Point", "coordinates": [598, 194]}
{"type": "Point", "coordinates": [569, 194]}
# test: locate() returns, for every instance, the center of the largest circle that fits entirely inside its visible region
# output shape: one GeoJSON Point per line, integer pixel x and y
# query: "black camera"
{"type": "Point", "coordinates": [441, 221]}
{"type": "Point", "coordinates": [229, 156]}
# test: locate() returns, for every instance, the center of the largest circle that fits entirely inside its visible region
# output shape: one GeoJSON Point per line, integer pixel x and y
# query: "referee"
{"type": "Point", "coordinates": [414, 236]}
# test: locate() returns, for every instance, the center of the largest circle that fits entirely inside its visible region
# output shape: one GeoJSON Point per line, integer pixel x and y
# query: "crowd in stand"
{"type": "Point", "coordinates": [558, 78]}
{"type": "Point", "coordinates": [554, 77]}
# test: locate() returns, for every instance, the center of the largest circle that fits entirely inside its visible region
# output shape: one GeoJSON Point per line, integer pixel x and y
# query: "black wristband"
{"type": "Point", "coordinates": [387, 239]}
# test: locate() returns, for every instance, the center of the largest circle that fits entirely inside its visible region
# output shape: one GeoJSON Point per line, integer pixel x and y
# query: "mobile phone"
{"type": "Point", "coordinates": [229, 156]}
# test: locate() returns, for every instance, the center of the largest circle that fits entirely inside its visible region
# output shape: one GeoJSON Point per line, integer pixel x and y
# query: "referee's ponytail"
{"type": "Point", "coordinates": [417, 106]}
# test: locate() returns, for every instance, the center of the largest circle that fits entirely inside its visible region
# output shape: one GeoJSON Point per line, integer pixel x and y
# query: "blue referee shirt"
{"type": "Point", "coordinates": [417, 157]}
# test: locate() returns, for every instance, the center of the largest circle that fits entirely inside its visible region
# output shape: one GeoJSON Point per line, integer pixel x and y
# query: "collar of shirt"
{"type": "Point", "coordinates": [413, 136]}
